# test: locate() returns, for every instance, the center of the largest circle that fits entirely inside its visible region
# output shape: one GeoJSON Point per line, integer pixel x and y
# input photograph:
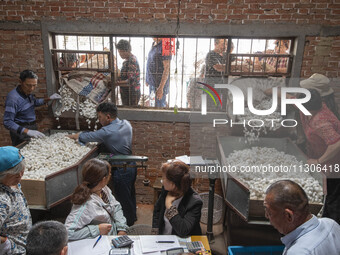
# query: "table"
{"type": "Point", "coordinates": [85, 246]}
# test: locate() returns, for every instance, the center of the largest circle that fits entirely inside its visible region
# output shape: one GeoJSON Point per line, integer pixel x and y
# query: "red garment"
{"type": "Point", "coordinates": [282, 62]}
{"type": "Point", "coordinates": [321, 130]}
{"type": "Point", "coordinates": [168, 46]}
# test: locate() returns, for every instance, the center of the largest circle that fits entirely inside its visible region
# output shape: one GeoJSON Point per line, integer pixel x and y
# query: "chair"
{"type": "Point", "coordinates": [139, 229]}
{"type": "Point", "coordinates": [218, 208]}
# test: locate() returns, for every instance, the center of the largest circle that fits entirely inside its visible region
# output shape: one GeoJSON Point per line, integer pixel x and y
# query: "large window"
{"type": "Point", "coordinates": [190, 60]}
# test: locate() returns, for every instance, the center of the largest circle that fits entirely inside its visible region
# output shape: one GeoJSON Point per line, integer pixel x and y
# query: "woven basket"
{"type": "Point", "coordinates": [218, 208]}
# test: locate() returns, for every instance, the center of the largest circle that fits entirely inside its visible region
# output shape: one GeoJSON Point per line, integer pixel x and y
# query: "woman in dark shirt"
{"type": "Point", "coordinates": [178, 209]}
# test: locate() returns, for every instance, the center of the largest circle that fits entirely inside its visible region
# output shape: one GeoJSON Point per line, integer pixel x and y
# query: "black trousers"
{"type": "Point", "coordinates": [124, 190]}
{"type": "Point", "coordinates": [129, 96]}
{"type": "Point", "coordinates": [332, 203]}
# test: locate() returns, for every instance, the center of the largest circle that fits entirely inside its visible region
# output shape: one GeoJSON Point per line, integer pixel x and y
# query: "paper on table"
{"type": "Point", "coordinates": [149, 243]}
{"type": "Point", "coordinates": [184, 158]}
{"type": "Point", "coordinates": [192, 160]}
{"type": "Point", "coordinates": [137, 249]}
{"type": "Point", "coordinates": [85, 247]}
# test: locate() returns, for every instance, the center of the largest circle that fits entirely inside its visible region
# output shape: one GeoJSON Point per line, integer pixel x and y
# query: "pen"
{"type": "Point", "coordinates": [165, 241]}
{"type": "Point", "coordinates": [97, 241]}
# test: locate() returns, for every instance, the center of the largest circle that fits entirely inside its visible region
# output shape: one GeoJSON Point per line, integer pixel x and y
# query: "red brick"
{"type": "Point", "coordinates": [252, 17]}
{"type": "Point", "coordinates": [13, 18]}
{"type": "Point", "coordinates": [129, 10]}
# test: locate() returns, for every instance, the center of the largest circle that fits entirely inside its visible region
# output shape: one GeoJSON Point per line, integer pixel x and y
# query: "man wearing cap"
{"type": "Point", "coordinates": [15, 217]}
{"type": "Point", "coordinates": [19, 116]}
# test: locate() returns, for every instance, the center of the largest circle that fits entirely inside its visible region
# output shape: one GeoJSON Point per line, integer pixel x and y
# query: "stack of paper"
{"type": "Point", "coordinates": [158, 243]}
{"type": "Point", "coordinates": [85, 247]}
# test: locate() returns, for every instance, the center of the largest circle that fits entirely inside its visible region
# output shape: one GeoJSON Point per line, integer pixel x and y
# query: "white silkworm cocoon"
{"type": "Point", "coordinates": [44, 156]}
{"type": "Point", "coordinates": [87, 108]}
{"type": "Point", "coordinates": [251, 134]}
{"type": "Point", "coordinates": [258, 167]}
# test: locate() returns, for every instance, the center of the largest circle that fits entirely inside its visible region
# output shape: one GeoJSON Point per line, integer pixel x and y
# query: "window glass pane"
{"type": "Point", "coordinates": [259, 46]}
{"type": "Point", "coordinates": [84, 42]}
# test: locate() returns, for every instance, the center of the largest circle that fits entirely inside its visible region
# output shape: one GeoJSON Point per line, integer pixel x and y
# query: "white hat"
{"type": "Point", "coordinates": [319, 82]}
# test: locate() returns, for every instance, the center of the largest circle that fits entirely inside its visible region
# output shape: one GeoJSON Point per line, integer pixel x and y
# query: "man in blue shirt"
{"type": "Point", "coordinates": [286, 207]}
{"type": "Point", "coordinates": [115, 137]}
{"type": "Point", "coordinates": [158, 72]}
{"type": "Point", "coordinates": [19, 116]}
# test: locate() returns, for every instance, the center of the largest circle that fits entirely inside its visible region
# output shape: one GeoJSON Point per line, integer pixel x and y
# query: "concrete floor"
{"type": "Point", "coordinates": [144, 214]}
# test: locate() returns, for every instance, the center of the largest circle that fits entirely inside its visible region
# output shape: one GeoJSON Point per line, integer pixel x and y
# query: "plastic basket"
{"type": "Point", "coordinates": [255, 250]}
{"type": "Point", "coordinates": [218, 208]}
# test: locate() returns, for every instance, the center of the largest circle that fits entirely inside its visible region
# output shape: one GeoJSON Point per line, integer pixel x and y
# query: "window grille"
{"type": "Point", "coordinates": [241, 57]}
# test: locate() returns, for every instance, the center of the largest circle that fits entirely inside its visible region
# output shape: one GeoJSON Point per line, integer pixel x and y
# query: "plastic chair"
{"type": "Point", "coordinates": [218, 208]}
{"type": "Point", "coordinates": [139, 229]}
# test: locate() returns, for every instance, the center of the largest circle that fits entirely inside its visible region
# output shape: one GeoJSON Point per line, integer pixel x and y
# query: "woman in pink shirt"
{"type": "Point", "coordinates": [322, 130]}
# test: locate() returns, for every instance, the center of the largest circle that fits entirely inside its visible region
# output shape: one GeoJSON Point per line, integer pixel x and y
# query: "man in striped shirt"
{"type": "Point", "coordinates": [19, 116]}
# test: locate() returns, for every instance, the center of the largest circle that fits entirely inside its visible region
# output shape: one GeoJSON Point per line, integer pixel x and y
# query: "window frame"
{"type": "Point", "coordinates": [167, 30]}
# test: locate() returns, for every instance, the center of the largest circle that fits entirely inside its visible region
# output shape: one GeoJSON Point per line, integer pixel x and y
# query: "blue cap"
{"type": "Point", "coordinates": [9, 157]}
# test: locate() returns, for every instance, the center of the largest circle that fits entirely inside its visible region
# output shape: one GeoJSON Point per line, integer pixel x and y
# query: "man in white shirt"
{"type": "Point", "coordinates": [286, 207]}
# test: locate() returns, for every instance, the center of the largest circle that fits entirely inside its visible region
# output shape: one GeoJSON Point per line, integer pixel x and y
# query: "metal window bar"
{"type": "Point", "coordinates": [57, 67]}
{"type": "Point", "coordinates": [195, 79]}
{"type": "Point", "coordinates": [116, 88]}
{"type": "Point", "coordinates": [113, 74]}
{"type": "Point", "coordinates": [240, 61]}
{"type": "Point", "coordinates": [182, 80]}
{"type": "Point", "coordinates": [169, 79]}
{"type": "Point", "coordinates": [144, 77]}
{"type": "Point", "coordinates": [265, 56]}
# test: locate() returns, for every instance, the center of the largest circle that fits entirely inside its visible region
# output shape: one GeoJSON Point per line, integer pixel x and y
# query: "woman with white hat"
{"type": "Point", "coordinates": [320, 83]}
{"type": "Point", "coordinates": [322, 131]}
{"type": "Point", "coordinates": [15, 217]}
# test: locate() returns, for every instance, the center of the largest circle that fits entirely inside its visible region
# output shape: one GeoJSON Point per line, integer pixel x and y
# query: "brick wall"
{"type": "Point", "coordinates": [322, 55]}
{"type": "Point", "coordinates": [202, 11]}
{"type": "Point", "coordinates": [21, 49]}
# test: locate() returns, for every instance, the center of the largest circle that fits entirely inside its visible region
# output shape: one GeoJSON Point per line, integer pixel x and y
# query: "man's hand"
{"type": "Point", "coordinates": [168, 200]}
{"type": "Point", "coordinates": [74, 136]}
{"type": "Point", "coordinates": [104, 228]}
{"type": "Point", "coordinates": [3, 239]}
{"type": "Point", "coordinates": [55, 96]}
{"type": "Point", "coordinates": [35, 134]}
{"type": "Point", "coordinates": [159, 93]}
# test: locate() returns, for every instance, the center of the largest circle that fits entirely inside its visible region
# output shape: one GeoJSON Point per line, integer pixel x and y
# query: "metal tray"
{"type": "Point", "coordinates": [236, 193]}
{"type": "Point", "coordinates": [56, 187]}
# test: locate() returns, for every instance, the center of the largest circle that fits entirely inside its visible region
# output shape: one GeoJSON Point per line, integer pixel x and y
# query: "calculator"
{"type": "Point", "coordinates": [195, 246]}
{"type": "Point", "coordinates": [121, 241]}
